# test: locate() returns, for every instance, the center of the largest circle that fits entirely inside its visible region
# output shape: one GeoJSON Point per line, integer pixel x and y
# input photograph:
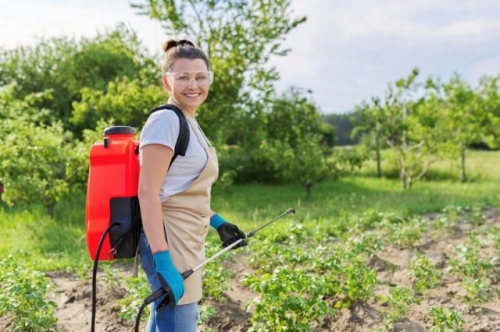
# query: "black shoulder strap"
{"type": "Point", "coordinates": [183, 138]}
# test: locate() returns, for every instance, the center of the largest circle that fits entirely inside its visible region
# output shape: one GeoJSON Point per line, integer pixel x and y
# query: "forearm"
{"type": "Point", "coordinates": [152, 221]}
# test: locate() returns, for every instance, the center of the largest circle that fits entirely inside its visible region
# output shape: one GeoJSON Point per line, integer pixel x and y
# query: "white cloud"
{"type": "Point", "coordinates": [483, 28]}
{"type": "Point", "coordinates": [71, 18]}
{"type": "Point", "coordinates": [347, 51]}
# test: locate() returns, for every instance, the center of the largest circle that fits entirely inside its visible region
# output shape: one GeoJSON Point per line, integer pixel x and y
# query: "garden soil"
{"type": "Point", "coordinates": [73, 296]}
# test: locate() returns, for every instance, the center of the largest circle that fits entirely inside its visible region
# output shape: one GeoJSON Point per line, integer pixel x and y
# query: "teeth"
{"type": "Point", "coordinates": [192, 94]}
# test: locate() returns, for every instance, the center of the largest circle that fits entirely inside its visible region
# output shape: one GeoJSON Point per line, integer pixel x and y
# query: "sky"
{"type": "Point", "coordinates": [345, 53]}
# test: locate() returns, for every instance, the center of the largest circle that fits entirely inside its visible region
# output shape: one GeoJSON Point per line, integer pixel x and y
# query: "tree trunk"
{"type": "Point", "coordinates": [404, 179]}
{"type": "Point", "coordinates": [50, 207]}
{"type": "Point", "coordinates": [308, 187]}
{"type": "Point", "coordinates": [377, 147]}
{"type": "Point", "coordinates": [462, 162]}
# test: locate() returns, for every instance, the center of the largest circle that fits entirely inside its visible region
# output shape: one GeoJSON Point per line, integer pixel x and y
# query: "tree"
{"type": "Point", "coordinates": [410, 130]}
{"type": "Point", "coordinates": [32, 161]}
{"type": "Point", "coordinates": [62, 67]}
{"type": "Point", "coordinates": [240, 38]}
{"type": "Point", "coordinates": [370, 121]}
{"type": "Point", "coordinates": [489, 102]}
{"type": "Point", "coordinates": [296, 145]}
{"type": "Point", "coordinates": [39, 163]}
{"type": "Point", "coordinates": [465, 119]}
{"type": "Point", "coordinates": [126, 101]}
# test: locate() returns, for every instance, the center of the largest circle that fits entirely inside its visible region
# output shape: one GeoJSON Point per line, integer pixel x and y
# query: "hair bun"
{"type": "Point", "coordinates": [171, 43]}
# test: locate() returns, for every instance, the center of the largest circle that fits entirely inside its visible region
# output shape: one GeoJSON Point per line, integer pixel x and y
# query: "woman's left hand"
{"type": "Point", "coordinates": [228, 233]}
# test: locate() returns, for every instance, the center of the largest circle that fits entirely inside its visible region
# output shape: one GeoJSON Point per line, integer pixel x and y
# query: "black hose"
{"type": "Point", "coordinates": [94, 273]}
{"type": "Point", "coordinates": [138, 317]}
{"type": "Point", "coordinates": [151, 298]}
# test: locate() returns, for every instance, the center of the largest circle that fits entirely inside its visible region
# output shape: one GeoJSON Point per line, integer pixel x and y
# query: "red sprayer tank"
{"type": "Point", "coordinates": [112, 195]}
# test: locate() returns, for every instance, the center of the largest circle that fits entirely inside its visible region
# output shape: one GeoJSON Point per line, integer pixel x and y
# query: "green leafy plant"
{"type": "Point", "coordinates": [398, 301]}
{"type": "Point", "coordinates": [23, 296]}
{"type": "Point", "coordinates": [477, 292]}
{"type": "Point", "coordinates": [290, 300]}
{"type": "Point", "coordinates": [349, 279]}
{"type": "Point", "coordinates": [406, 234]}
{"type": "Point", "coordinates": [469, 261]}
{"type": "Point", "coordinates": [424, 274]}
{"type": "Point", "coordinates": [215, 276]}
{"type": "Point", "coordinates": [137, 291]}
{"type": "Point", "coordinates": [444, 320]}
{"type": "Point", "coordinates": [207, 311]}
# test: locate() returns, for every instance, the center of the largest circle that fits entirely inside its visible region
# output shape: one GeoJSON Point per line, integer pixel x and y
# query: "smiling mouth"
{"type": "Point", "coordinates": [192, 94]}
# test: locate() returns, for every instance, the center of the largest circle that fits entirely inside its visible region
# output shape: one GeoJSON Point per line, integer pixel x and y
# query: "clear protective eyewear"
{"type": "Point", "coordinates": [184, 79]}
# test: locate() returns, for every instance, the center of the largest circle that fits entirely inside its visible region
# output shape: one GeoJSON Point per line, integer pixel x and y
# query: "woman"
{"type": "Point", "coordinates": [175, 207]}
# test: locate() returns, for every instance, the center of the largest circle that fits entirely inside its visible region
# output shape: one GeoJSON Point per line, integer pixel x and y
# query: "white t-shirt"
{"type": "Point", "coordinates": [162, 127]}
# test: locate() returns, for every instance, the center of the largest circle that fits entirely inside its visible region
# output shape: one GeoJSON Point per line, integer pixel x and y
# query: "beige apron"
{"type": "Point", "coordinates": [186, 219]}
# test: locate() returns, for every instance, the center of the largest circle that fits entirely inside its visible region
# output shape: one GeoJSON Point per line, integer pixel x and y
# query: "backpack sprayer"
{"type": "Point", "coordinates": [112, 215]}
{"type": "Point", "coordinates": [113, 220]}
{"type": "Point", "coordinates": [165, 289]}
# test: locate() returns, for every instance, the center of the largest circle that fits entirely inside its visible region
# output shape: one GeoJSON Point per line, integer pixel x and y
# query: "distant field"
{"type": "Point", "coordinates": [480, 165]}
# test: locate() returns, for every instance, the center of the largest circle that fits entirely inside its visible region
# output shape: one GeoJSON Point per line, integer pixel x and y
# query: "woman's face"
{"type": "Point", "coordinates": [188, 83]}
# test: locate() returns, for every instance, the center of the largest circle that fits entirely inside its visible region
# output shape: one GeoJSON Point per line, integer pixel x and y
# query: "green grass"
{"type": "Point", "coordinates": [59, 243]}
{"type": "Point", "coordinates": [49, 243]}
{"type": "Point", "coordinates": [479, 165]}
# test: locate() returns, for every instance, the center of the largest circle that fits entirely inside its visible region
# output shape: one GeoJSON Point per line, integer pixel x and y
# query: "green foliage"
{"type": "Point", "coordinates": [310, 165]}
{"type": "Point", "coordinates": [63, 67]}
{"type": "Point", "coordinates": [206, 312]}
{"type": "Point", "coordinates": [294, 146]}
{"type": "Point", "coordinates": [349, 278]}
{"type": "Point", "coordinates": [344, 125]}
{"type": "Point", "coordinates": [425, 122]}
{"type": "Point", "coordinates": [77, 164]}
{"type": "Point", "coordinates": [216, 277]}
{"type": "Point", "coordinates": [127, 101]}
{"type": "Point", "coordinates": [398, 301]}
{"type": "Point", "coordinates": [137, 291]}
{"type": "Point", "coordinates": [477, 292]}
{"type": "Point", "coordinates": [489, 101]}
{"type": "Point", "coordinates": [444, 320]}
{"type": "Point", "coordinates": [424, 274]}
{"type": "Point", "coordinates": [469, 261]}
{"type": "Point", "coordinates": [350, 160]}
{"type": "Point", "coordinates": [57, 163]}
{"type": "Point", "coordinates": [240, 39]}
{"type": "Point", "coordinates": [290, 300]}
{"type": "Point", "coordinates": [270, 163]}
{"type": "Point", "coordinates": [40, 151]}
{"type": "Point", "coordinates": [407, 234]}
{"type": "Point", "coordinates": [23, 297]}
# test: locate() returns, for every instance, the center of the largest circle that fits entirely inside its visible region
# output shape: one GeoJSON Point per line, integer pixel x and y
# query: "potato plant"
{"type": "Point", "coordinates": [424, 274]}
{"type": "Point", "coordinates": [399, 301]}
{"type": "Point", "coordinates": [469, 261]}
{"type": "Point", "coordinates": [290, 300]}
{"type": "Point", "coordinates": [348, 277]}
{"type": "Point", "coordinates": [444, 320]}
{"type": "Point", "coordinates": [23, 297]}
{"type": "Point", "coordinates": [137, 291]}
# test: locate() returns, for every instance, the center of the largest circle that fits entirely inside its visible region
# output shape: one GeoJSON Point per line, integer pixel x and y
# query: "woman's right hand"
{"type": "Point", "coordinates": [166, 269]}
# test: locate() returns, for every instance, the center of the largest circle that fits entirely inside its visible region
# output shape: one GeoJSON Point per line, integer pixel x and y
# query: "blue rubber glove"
{"type": "Point", "coordinates": [166, 269]}
{"type": "Point", "coordinates": [228, 232]}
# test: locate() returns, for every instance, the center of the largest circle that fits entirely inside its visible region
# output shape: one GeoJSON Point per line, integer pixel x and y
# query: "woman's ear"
{"type": "Point", "coordinates": [166, 84]}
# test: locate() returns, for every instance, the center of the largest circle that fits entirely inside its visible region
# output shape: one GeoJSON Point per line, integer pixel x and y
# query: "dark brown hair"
{"type": "Point", "coordinates": [181, 49]}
